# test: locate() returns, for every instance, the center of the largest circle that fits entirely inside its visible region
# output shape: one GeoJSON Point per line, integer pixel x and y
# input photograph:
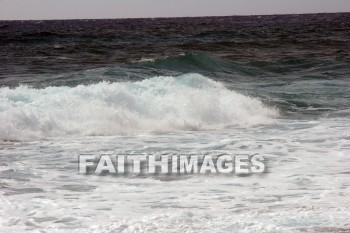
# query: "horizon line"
{"type": "Point", "coordinates": [175, 17]}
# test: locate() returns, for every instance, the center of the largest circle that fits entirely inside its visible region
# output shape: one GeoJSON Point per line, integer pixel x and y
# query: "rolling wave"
{"type": "Point", "coordinates": [196, 62]}
{"type": "Point", "coordinates": [160, 104]}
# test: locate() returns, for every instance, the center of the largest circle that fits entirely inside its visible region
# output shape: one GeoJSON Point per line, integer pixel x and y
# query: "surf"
{"type": "Point", "coordinates": [161, 104]}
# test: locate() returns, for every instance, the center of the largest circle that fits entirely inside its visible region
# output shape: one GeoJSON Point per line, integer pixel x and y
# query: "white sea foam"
{"type": "Point", "coordinates": [159, 104]}
{"type": "Point", "coordinates": [304, 190]}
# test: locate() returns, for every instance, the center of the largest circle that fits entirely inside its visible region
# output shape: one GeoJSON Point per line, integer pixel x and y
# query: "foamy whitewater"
{"type": "Point", "coordinates": [160, 104]}
{"type": "Point", "coordinates": [274, 86]}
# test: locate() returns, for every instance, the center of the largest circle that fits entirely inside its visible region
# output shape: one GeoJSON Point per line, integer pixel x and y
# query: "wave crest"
{"type": "Point", "coordinates": [159, 104]}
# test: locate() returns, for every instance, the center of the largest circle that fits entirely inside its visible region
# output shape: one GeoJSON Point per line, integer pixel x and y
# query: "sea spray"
{"type": "Point", "coordinates": [159, 104]}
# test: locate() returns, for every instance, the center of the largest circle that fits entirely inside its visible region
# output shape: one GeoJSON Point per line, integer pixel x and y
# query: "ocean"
{"type": "Point", "coordinates": [275, 86]}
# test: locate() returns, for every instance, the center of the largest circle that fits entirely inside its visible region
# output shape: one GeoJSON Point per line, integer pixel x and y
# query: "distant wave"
{"type": "Point", "coordinates": [159, 104]}
{"type": "Point", "coordinates": [219, 68]}
{"type": "Point", "coordinates": [192, 62]}
{"type": "Point", "coordinates": [207, 63]}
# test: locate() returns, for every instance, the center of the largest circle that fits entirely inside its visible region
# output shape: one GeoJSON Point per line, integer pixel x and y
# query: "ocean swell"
{"type": "Point", "coordinates": [159, 104]}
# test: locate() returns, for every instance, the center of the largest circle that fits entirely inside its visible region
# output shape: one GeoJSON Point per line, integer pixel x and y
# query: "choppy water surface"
{"type": "Point", "coordinates": [277, 86]}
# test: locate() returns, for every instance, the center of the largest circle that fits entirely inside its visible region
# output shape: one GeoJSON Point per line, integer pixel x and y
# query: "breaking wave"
{"type": "Point", "coordinates": [160, 104]}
